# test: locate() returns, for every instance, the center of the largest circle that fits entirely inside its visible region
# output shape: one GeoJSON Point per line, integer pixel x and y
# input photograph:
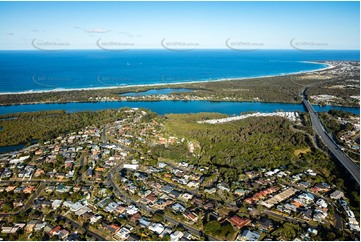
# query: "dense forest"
{"type": "Point", "coordinates": [243, 145]}
{"type": "Point", "coordinates": [21, 128]}
{"type": "Point", "coordinates": [329, 119]}
{"type": "Point", "coordinates": [234, 143]}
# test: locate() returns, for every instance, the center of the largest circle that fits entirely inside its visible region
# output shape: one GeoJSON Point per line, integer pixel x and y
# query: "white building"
{"type": "Point", "coordinates": [337, 195]}
{"type": "Point", "coordinates": [177, 235]}
{"type": "Point", "coordinates": [178, 208]}
{"type": "Point", "coordinates": [56, 204]}
{"type": "Point", "coordinates": [156, 227]}
{"type": "Point", "coordinates": [123, 233]}
{"type": "Point", "coordinates": [130, 166]}
{"type": "Point", "coordinates": [321, 203]}
{"type": "Point", "coordinates": [131, 210]}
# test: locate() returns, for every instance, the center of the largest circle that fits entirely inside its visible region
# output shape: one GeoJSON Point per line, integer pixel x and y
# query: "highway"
{"type": "Point", "coordinates": [350, 166]}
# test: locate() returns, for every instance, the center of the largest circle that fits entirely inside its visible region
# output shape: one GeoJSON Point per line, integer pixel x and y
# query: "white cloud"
{"type": "Point", "coordinates": [97, 30]}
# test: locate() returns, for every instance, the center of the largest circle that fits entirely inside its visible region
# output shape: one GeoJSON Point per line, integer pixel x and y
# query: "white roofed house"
{"type": "Point", "coordinates": [248, 235]}
{"type": "Point", "coordinates": [166, 231]}
{"type": "Point", "coordinates": [311, 172]}
{"type": "Point", "coordinates": [131, 210]}
{"type": "Point", "coordinates": [312, 231]}
{"type": "Point", "coordinates": [9, 230]}
{"type": "Point", "coordinates": [186, 196]}
{"type": "Point", "coordinates": [143, 222]}
{"type": "Point", "coordinates": [156, 227]}
{"type": "Point", "coordinates": [95, 219]}
{"type": "Point", "coordinates": [56, 204]}
{"type": "Point", "coordinates": [269, 173]}
{"type": "Point", "coordinates": [304, 184]}
{"type": "Point", "coordinates": [290, 207]}
{"type": "Point", "coordinates": [353, 224]}
{"type": "Point", "coordinates": [211, 190]}
{"type": "Point", "coordinates": [337, 195]}
{"type": "Point", "coordinates": [183, 164]}
{"type": "Point", "coordinates": [281, 174]}
{"type": "Point", "coordinates": [307, 197]}
{"type": "Point", "coordinates": [73, 206]}
{"type": "Point", "coordinates": [193, 184]}
{"type": "Point", "coordinates": [111, 207]}
{"type": "Point", "coordinates": [83, 210]}
{"type": "Point", "coordinates": [223, 186]}
{"type": "Point", "coordinates": [321, 203]}
{"type": "Point", "coordinates": [40, 226]}
{"type": "Point", "coordinates": [123, 233]}
{"type": "Point", "coordinates": [296, 177]}
{"type": "Point", "coordinates": [240, 192]}
{"type": "Point", "coordinates": [319, 215]}
{"type": "Point", "coordinates": [130, 166]}
{"type": "Point", "coordinates": [349, 213]}
{"type": "Point", "coordinates": [178, 207]}
{"type": "Point", "coordinates": [177, 235]}
{"type": "Point", "coordinates": [19, 160]}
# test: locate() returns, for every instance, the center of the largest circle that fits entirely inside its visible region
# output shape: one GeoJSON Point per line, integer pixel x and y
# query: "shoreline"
{"type": "Point", "coordinates": [329, 66]}
{"type": "Point", "coordinates": [180, 100]}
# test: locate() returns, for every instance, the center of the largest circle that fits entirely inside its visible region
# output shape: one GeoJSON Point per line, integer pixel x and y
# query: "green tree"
{"type": "Point", "coordinates": [7, 207]}
{"type": "Point", "coordinates": [289, 230]}
{"type": "Point", "coordinates": [166, 237]}
{"type": "Point", "coordinates": [331, 236]}
{"type": "Point", "coordinates": [212, 227]}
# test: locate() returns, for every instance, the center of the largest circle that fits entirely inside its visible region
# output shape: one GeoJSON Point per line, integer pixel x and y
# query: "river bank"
{"type": "Point", "coordinates": [43, 120]}
{"type": "Point", "coordinates": [170, 106]}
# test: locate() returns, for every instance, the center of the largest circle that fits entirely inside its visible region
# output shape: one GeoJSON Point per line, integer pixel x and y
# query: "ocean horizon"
{"type": "Point", "coordinates": [37, 71]}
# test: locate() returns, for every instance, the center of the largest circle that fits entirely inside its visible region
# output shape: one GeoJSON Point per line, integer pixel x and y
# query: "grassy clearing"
{"type": "Point", "coordinates": [297, 152]}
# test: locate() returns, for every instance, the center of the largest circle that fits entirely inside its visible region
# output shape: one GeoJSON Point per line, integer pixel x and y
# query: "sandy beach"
{"type": "Point", "coordinates": [169, 84]}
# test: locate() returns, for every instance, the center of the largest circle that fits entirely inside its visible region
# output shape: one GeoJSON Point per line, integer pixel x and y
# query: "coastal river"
{"type": "Point", "coordinates": [176, 107]}
{"type": "Point", "coordinates": [166, 107]}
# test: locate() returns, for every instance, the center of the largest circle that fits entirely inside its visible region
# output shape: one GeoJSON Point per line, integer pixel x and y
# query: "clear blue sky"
{"type": "Point", "coordinates": [208, 24]}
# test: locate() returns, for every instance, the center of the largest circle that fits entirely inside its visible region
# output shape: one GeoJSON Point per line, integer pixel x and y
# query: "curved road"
{"type": "Point", "coordinates": [28, 203]}
{"type": "Point", "coordinates": [351, 167]}
{"type": "Point", "coordinates": [128, 200]}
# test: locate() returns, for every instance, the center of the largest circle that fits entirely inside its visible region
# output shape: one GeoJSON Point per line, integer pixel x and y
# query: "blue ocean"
{"type": "Point", "coordinates": [23, 71]}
